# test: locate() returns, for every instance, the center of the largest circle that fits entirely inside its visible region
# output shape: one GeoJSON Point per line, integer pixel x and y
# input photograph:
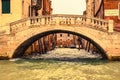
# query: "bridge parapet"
{"type": "Point", "coordinates": [70, 20]}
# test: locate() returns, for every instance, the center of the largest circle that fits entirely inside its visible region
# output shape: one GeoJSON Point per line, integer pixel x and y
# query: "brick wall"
{"type": "Point", "coordinates": [111, 11]}
{"type": "Point", "coordinates": [47, 10]}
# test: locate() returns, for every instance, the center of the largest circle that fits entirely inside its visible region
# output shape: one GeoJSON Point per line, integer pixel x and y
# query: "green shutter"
{"type": "Point", "coordinates": [5, 6]}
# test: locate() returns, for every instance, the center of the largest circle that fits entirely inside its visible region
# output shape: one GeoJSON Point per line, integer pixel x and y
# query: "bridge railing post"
{"type": "Point", "coordinates": [57, 20]}
{"type": "Point", "coordinates": [110, 26]}
{"type": "Point", "coordinates": [88, 20]}
{"type": "Point", "coordinates": [72, 20]}
{"type": "Point", "coordinates": [28, 22]}
{"type": "Point", "coordinates": [36, 21]}
{"type": "Point", "coordinates": [43, 21]}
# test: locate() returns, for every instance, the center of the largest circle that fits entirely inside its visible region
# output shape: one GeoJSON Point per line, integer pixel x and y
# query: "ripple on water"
{"type": "Point", "coordinates": [43, 69]}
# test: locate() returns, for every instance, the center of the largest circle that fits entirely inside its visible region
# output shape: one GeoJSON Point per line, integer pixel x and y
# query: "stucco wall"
{"type": "Point", "coordinates": [15, 12]}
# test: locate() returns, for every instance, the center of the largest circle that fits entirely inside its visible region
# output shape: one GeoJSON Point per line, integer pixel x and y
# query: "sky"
{"type": "Point", "coordinates": [68, 6]}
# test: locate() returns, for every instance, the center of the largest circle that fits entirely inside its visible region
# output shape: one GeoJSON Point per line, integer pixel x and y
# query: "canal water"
{"type": "Point", "coordinates": [60, 64]}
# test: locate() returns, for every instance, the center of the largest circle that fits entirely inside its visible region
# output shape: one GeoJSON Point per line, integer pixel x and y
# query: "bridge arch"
{"type": "Point", "coordinates": [24, 44]}
{"type": "Point", "coordinates": [98, 31]}
{"type": "Point", "coordinates": [93, 29]}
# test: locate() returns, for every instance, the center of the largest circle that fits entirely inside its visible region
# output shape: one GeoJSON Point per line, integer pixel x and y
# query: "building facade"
{"type": "Point", "coordinates": [65, 40]}
{"type": "Point", "coordinates": [95, 8]}
{"type": "Point", "coordinates": [105, 9]}
{"type": "Point", "coordinates": [13, 10]}
{"type": "Point", "coordinates": [47, 10]}
{"type": "Point", "coordinates": [98, 8]}
{"type": "Point", "coordinates": [112, 11]}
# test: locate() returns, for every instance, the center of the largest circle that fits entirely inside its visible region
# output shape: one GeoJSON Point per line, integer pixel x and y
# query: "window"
{"type": "Point", "coordinates": [5, 6]}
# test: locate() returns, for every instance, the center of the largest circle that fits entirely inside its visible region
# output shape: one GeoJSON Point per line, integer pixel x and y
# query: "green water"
{"type": "Point", "coordinates": [59, 70]}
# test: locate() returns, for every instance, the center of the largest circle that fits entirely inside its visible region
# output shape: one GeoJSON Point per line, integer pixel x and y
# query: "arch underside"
{"type": "Point", "coordinates": [19, 52]}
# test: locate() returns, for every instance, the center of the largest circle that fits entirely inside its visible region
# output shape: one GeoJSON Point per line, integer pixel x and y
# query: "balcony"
{"type": "Point", "coordinates": [37, 4]}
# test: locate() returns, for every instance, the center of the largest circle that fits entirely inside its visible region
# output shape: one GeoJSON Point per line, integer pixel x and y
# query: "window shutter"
{"type": "Point", "coordinates": [5, 6]}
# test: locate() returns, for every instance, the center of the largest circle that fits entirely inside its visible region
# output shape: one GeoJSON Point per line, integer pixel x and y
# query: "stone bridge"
{"type": "Point", "coordinates": [18, 35]}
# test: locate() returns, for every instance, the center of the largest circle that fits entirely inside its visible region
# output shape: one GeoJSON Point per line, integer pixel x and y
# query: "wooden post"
{"type": "Point", "coordinates": [42, 45]}
{"type": "Point", "coordinates": [45, 45]}
{"type": "Point", "coordinates": [89, 47]}
{"type": "Point", "coordinates": [82, 45]}
{"type": "Point", "coordinates": [39, 45]}
{"type": "Point", "coordinates": [86, 45]}
{"type": "Point", "coordinates": [48, 43]}
{"type": "Point", "coordinates": [31, 49]}
{"type": "Point", "coordinates": [73, 39]}
{"type": "Point", "coordinates": [53, 41]}
{"type": "Point", "coordinates": [35, 47]}
{"type": "Point", "coordinates": [93, 49]}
